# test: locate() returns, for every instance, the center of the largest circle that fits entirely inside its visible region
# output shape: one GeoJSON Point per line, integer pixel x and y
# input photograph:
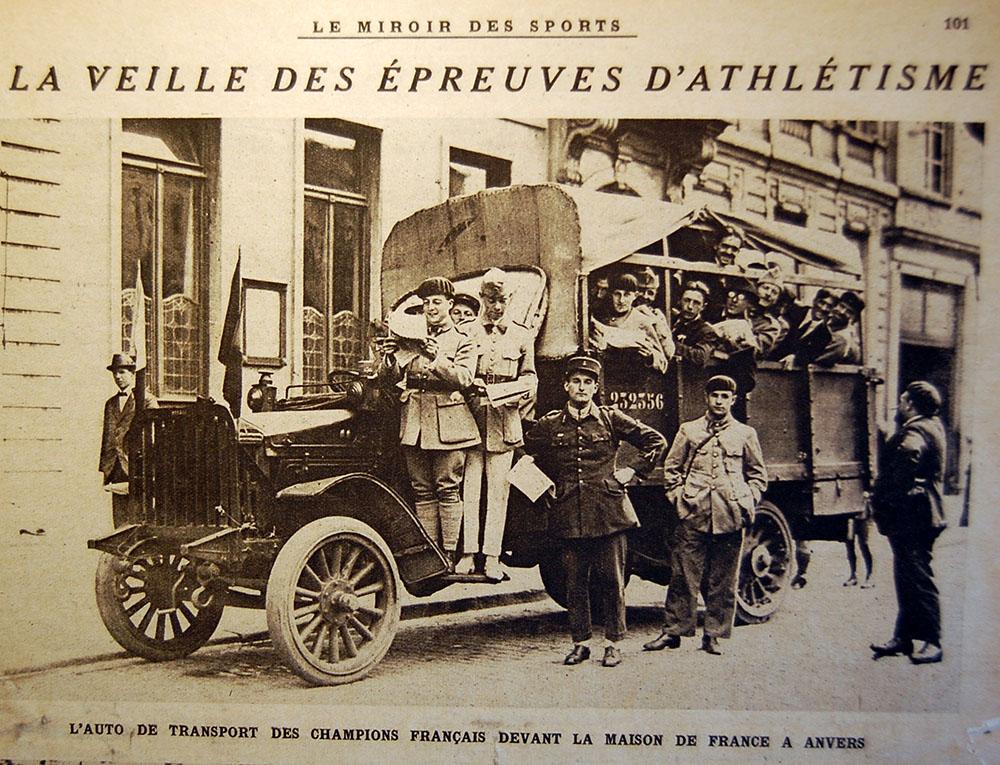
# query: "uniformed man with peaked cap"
{"type": "Point", "coordinates": [576, 447]}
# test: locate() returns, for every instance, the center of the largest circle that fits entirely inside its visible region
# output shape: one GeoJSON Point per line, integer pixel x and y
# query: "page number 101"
{"type": "Point", "coordinates": [956, 22]}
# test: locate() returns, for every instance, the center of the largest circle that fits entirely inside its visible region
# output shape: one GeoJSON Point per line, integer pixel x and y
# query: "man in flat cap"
{"type": "Point", "coordinates": [714, 476]}
{"type": "Point", "coordinates": [694, 337]}
{"type": "Point", "coordinates": [645, 303]}
{"type": "Point", "coordinates": [909, 511]}
{"type": "Point", "coordinates": [576, 447]}
{"type": "Point", "coordinates": [465, 311]}
{"type": "Point", "coordinates": [118, 413]}
{"type": "Point", "coordinates": [635, 331]}
{"type": "Point", "coordinates": [436, 426]}
{"type": "Point", "coordinates": [506, 354]}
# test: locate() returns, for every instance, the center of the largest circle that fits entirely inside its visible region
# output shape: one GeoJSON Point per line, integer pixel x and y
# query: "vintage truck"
{"type": "Point", "coordinates": [303, 507]}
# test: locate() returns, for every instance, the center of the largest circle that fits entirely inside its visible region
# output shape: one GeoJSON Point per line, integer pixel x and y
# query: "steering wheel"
{"type": "Point", "coordinates": [341, 379]}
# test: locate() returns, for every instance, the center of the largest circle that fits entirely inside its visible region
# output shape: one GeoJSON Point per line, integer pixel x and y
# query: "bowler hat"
{"type": "Point", "coordinates": [587, 364]}
{"type": "Point", "coordinates": [852, 301]}
{"type": "Point", "coordinates": [470, 301]}
{"type": "Point", "coordinates": [436, 285]}
{"type": "Point", "coordinates": [720, 382]}
{"type": "Point", "coordinates": [121, 361]}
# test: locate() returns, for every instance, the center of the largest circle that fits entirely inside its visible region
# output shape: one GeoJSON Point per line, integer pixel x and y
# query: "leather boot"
{"type": "Point", "coordinates": [427, 514]}
{"type": "Point", "coordinates": [451, 523]}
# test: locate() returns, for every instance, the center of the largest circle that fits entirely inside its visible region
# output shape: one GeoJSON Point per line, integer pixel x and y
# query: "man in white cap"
{"type": "Point", "coordinates": [506, 354]}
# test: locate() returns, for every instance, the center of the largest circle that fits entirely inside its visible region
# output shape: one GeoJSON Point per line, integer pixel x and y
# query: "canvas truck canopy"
{"type": "Point", "coordinates": [567, 232]}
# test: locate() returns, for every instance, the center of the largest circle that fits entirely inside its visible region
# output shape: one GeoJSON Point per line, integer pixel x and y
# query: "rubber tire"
{"type": "Point", "coordinates": [279, 601]}
{"type": "Point", "coordinates": [767, 511]}
{"type": "Point", "coordinates": [138, 643]}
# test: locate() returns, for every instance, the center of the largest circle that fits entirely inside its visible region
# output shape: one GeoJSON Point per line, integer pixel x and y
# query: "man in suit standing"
{"type": "Point", "coordinates": [436, 427]}
{"type": "Point", "coordinates": [714, 476]}
{"type": "Point", "coordinates": [118, 413]}
{"type": "Point", "coordinates": [909, 511]}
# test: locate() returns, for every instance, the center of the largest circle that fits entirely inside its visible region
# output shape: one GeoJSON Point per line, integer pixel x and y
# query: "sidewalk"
{"type": "Point", "coordinates": [48, 614]}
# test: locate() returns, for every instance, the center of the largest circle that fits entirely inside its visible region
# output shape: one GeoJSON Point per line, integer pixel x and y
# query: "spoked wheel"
{"type": "Point", "coordinates": [332, 601]}
{"type": "Point", "coordinates": [766, 565]}
{"type": "Point", "coordinates": [145, 602]}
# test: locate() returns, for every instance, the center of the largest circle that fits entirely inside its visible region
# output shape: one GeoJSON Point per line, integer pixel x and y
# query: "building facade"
{"type": "Point", "coordinates": [87, 208]}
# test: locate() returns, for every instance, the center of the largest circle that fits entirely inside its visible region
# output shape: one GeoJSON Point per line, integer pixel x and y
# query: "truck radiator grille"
{"type": "Point", "coordinates": [184, 467]}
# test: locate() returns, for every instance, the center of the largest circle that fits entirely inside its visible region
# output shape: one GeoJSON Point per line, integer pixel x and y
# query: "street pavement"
{"type": "Point", "coordinates": [813, 655]}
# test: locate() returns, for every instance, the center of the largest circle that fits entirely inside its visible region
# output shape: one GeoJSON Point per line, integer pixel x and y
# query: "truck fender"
{"type": "Point", "coordinates": [372, 501]}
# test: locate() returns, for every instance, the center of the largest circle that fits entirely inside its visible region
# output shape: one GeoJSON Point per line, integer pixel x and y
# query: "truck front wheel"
{"type": "Point", "coordinates": [333, 601]}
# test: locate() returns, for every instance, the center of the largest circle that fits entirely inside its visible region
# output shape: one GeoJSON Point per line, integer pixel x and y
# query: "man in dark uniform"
{"type": "Point", "coordinates": [590, 513]}
{"type": "Point", "coordinates": [693, 336]}
{"type": "Point", "coordinates": [118, 413]}
{"type": "Point", "coordinates": [714, 476]}
{"type": "Point", "coordinates": [909, 511]}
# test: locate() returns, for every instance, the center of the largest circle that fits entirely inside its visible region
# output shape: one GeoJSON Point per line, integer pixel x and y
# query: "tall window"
{"type": "Point", "coordinates": [470, 171]}
{"type": "Point", "coordinates": [163, 178]}
{"type": "Point", "coordinates": [938, 157]}
{"type": "Point", "coordinates": [340, 165]}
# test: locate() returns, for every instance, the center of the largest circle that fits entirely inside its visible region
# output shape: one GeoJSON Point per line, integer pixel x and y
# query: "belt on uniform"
{"type": "Point", "coordinates": [430, 385]}
{"type": "Point", "coordinates": [491, 379]}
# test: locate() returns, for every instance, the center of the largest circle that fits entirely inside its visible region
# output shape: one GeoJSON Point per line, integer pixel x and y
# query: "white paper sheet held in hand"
{"type": "Point", "coordinates": [499, 394]}
{"type": "Point", "coordinates": [528, 479]}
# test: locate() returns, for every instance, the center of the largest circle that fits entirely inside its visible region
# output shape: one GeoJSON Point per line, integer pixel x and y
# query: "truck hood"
{"type": "Point", "coordinates": [279, 423]}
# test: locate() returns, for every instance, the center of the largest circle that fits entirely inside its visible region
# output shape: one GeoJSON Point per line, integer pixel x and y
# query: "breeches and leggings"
{"type": "Point", "coordinates": [919, 616]}
{"type": "Point", "coordinates": [436, 478]}
{"type": "Point", "coordinates": [700, 559]}
{"type": "Point", "coordinates": [602, 558]}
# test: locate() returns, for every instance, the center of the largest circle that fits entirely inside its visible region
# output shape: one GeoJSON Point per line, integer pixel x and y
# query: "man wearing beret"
{"type": "Point", "coordinates": [506, 354]}
{"type": "Point", "coordinates": [436, 426]}
{"type": "Point", "coordinates": [576, 447]}
{"type": "Point", "coordinates": [909, 511]}
{"type": "Point", "coordinates": [714, 476]}
{"type": "Point", "coordinates": [118, 413]}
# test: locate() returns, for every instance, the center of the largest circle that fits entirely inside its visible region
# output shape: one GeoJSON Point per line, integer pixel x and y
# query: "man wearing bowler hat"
{"type": "Point", "coordinates": [845, 343]}
{"type": "Point", "coordinates": [714, 476]}
{"type": "Point", "coordinates": [118, 413]}
{"type": "Point", "coordinates": [576, 447]}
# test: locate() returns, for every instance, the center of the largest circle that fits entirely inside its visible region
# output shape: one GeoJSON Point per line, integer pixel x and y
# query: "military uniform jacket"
{"type": "Point", "coordinates": [434, 412]}
{"type": "Point", "coordinates": [117, 419]}
{"type": "Point", "coordinates": [579, 457]}
{"type": "Point", "coordinates": [505, 353]}
{"type": "Point", "coordinates": [715, 475]}
{"type": "Point", "coordinates": [907, 495]}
